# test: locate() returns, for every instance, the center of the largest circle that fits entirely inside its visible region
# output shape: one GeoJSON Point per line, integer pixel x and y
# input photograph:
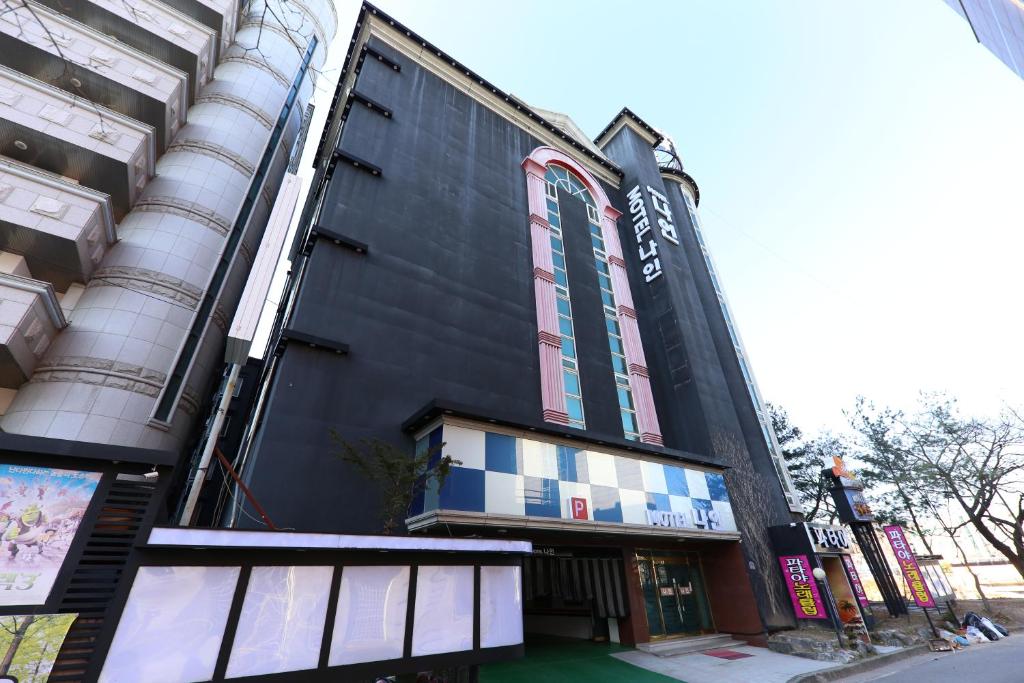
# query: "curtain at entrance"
{"type": "Point", "coordinates": [578, 579]}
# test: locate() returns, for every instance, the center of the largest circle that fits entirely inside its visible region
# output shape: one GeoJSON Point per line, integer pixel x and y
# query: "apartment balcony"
{"type": "Point", "coordinates": [151, 27]}
{"type": "Point", "coordinates": [30, 318]}
{"type": "Point", "coordinates": [43, 44]}
{"type": "Point", "coordinates": [219, 15]}
{"type": "Point", "coordinates": [60, 228]}
{"type": "Point", "coordinates": [47, 128]}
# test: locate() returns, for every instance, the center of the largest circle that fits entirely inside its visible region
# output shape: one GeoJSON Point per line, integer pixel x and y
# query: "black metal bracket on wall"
{"type": "Point", "coordinates": [379, 56]}
{"type": "Point", "coordinates": [374, 106]}
{"type": "Point", "coordinates": [361, 164]}
{"type": "Point", "coordinates": [290, 334]}
{"type": "Point", "coordinates": [321, 232]}
{"type": "Point", "coordinates": [328, 127]}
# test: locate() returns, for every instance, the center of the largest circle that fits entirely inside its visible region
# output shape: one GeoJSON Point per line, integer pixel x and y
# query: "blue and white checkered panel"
{"type": "Point", "coordinates": [505, 475]}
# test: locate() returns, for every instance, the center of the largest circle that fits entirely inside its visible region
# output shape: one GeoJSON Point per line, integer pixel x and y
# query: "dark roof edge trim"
{"type": "Point", "coordinates": [685, 177]}
{"type": "Point", "coordinates": [415, 37]}
{"type": "Point", "coordinates": [626, 112]}
{"type": "Point", "coordinates": [440, 407]}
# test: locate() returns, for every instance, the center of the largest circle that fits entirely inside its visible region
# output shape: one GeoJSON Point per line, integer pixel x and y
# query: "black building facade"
{"type": "Point", "coordinates": [473, 271]}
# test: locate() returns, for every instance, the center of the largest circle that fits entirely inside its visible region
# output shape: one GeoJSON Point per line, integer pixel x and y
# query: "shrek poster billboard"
{"type": "Point", "coordinates": [41, 509]}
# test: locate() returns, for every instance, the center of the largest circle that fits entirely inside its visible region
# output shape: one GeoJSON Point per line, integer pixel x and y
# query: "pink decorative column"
{"type": "Point", "coordinates": [549, 341]}
{"type": "Point", "coordinates": [639, 378]}
{"type": "Point", "coordinates": [552, 389]}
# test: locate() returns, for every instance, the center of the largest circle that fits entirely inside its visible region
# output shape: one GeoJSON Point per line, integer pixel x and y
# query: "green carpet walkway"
{"type": "Point", "coordinates": [569, 661]}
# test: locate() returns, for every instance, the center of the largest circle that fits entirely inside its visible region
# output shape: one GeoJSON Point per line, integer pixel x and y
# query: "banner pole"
{"type": "Point", "coordinates": [927, 616]}
{"type": "Point", "coordinates": [830, 604]}
{"type": "Point", "coordinates": [950, 608]}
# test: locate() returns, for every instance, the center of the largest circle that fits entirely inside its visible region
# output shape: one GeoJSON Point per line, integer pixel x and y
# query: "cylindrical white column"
{"type": "Point", "coordinates": [101, 378]}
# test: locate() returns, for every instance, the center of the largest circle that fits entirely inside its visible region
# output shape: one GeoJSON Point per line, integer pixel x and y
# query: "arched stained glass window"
{"type": "Point", "coordinates": [559, 177]}
{"type": "Point", "coordinates": [567, 180]}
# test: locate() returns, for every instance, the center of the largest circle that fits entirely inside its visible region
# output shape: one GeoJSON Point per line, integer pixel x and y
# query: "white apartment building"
{"type": "Point", "coordinates": [142, 145]}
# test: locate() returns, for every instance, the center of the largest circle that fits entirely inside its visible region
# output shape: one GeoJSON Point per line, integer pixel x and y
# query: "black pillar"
{"type": "Point", "coordinates": [865, 534]}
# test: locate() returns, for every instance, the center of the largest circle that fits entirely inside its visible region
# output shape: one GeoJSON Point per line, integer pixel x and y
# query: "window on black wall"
{"type": "Point", "coordinates": [560, 177]}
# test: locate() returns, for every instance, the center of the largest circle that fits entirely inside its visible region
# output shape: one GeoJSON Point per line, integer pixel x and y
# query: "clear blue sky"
{"type": "Point", "coordinates": [859, 165]}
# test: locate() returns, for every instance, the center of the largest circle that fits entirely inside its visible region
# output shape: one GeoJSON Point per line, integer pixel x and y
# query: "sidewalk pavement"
{"type": "Point", "coordinates": [554, 660]}
{"type": "Point", "coordinates": [759, 665]}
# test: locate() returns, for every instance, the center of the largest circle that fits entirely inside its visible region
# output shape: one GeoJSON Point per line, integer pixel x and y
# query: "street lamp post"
{"type": "Point", "coordinates": [830, 604]}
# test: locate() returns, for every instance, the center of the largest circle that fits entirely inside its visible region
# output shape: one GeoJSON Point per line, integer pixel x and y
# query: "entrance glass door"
{"type": "Point", "coordinates": [674, 596]}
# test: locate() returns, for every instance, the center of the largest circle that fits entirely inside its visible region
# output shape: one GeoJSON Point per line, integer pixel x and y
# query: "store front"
{"type": "Point", "coordinates": [840, 598]}
{"type": "Point", "coordinates": [574, 592]}
{"type": "Point", "coordinates": [582, 592]}
{"type": "Point", "coordinates": [675, 599]}
{"type": "Point", "coordinates": [628, 547]}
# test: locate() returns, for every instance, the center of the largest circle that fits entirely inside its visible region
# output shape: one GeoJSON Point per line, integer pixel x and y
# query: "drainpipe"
{"type": "Point", "coordinates": [211, 443]}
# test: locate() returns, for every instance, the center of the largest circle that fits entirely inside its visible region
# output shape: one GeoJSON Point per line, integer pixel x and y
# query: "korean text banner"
{"type": "Point", "coordinates": [807, 604]}
{"type": "Point", "coordinates": [858, 588]}
{"type": "Point", "coordinates": [40, 511]}
{"type": "Point", "coordinates": [909, 566]}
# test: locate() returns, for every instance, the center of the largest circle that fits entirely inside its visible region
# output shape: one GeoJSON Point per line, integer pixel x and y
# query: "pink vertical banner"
{"type": "Point", "coordinates": [855, 583]}
{"type": "Point", "coordinates": [807, 604]}
{"type": "Point", "coordinates": [908, 564]}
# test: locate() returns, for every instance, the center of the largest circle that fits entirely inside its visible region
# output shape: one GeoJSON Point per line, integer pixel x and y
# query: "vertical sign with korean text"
{"type": "Point", "coordinates": [858, 588]}
{"type": "Point", "coordinates": [40, 511]}
{"type": "Point", "coordinates": [908, 564]}
{"type": "Point", "coordinates": [796, 569]}
{"type": "Point", "coordinates": [647, 244]}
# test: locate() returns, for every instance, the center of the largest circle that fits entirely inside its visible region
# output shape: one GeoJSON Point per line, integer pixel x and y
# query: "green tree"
{"type": "Point", "coordinates": [935, 454]}
{"type": "Point", "coordinates": [897, 483]}
{"type": "Point", "coordinates": [805, 460]}
{"type": "Point", "coordinates": [400, 475]}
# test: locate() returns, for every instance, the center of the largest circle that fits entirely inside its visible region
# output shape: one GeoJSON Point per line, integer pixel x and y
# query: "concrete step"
{"type": "Point", "coordinates": [687, 646]}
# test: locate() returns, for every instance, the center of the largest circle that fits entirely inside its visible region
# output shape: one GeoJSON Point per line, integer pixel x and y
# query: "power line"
{"type": "Point", "coordinates": [795, 266]}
